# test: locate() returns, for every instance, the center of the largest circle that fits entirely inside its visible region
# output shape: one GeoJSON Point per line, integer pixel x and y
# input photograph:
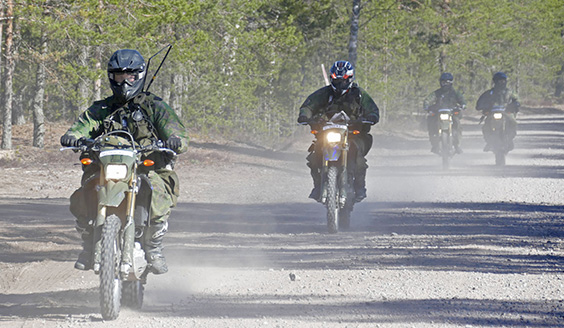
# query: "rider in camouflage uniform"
{"type": "Point", "coordinates": [341, 95]}
{"type": "Point", "coordinates": [147, 118]}
{"type": "Point", "coordinates": [499, 95]}
{"type": "Point", "coordinates": [444, 97]}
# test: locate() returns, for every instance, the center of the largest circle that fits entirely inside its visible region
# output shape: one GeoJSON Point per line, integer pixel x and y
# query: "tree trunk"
{"type": "Point", "coordinates": [98, 82]}
{"type": "Point", "coordinates": [17, 107]}
{"type": "Point", "coordinates": [8, 76]}
{"type": "Point", "coordinates": [354, 32]}
{"type": "Point", "coordinates": [38, 114]}
{"type": "Point", "coordinates": [83, 82]}
{"type": "Point", "coordinates": [176, 93]}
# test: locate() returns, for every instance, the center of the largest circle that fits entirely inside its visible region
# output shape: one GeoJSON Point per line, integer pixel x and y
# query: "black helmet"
{"type": "Point", "coordinates": [446, 77]}
{"type": "Point", "coordinates": [499, 80]}
{"type": "Point", "coordinates": [499, 76]}
{"type": "Point", "coordinates": [126, 71]}
{"type": "Point", "coordinates": [446, 80]}
{"type": "Point", "coordinates": [342, 76]}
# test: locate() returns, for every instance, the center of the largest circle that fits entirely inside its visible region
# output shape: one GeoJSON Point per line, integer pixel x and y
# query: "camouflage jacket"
{"type": "Point", "coordinates": [357, 103]}
{"type": "Point", "coordinates": [146, 117]}
{"type": "Point", "coordinates": [495, 97]}
{"type": "Point", "coordinates": [440, 99]}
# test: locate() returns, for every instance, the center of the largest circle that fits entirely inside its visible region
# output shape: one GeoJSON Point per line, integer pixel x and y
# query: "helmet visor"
{"type": "Point", "coordinates": [341, 84]}
{"type": "Point", "coordinates": [446, 83]}
{"type": "Point", "coordinates": [129, 77]}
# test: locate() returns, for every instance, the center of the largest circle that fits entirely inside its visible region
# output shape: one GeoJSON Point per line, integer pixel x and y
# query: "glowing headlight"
{"type": "Point", "coordinates": [444, 117]}
{"type": "Point", "coordinates": [497, 116]}
{"type": "Point", "coordinates": [116, 172]}
{"type": "Point", "coordinates": [333, 137]}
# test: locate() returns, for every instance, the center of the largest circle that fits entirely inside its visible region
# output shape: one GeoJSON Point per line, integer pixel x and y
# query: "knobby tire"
{"type": "Point", "coordinates": [110, 282]}
{"type": "Point", "coordinates": [332, 200]}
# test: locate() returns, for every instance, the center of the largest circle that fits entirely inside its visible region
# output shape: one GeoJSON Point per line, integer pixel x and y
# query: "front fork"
{"type": "Point", "coordinates": [342, 178]}
{"type": "Point", "coordinates": [127, 233]}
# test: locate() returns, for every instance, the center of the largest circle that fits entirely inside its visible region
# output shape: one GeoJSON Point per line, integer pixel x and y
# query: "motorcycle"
{"type": "Point", "coordinates": [337, 179]}
{"type": "Point", "coordinates": [445, 132]}
{"type": "Point", "coordinates": [496, 119]}
{"type": "Point", "coordinates": [123, 192]}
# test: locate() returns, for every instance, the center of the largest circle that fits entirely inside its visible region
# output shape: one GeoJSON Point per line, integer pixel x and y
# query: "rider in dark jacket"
{"type": "Point", "coordinates": [341, 95]}
{"type": "Point", "coordinates": [444, 97]}
{"type": "Point", "coordinates": [499, 95]}
{"type": "Point", "coordinates": [148, 118]}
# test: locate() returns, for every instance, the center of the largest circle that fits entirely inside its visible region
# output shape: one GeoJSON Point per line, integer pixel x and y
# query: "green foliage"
{"type": "Point", "coordinates": [245, 66]}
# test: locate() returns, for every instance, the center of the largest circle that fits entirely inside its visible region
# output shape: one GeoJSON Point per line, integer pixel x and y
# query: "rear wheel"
{"type": "Point", "coordinates": [132, 294]}
{"type": "Point", "coordinates": [332, 200]}
{"type": "Point", "coordinates": [110, 282]}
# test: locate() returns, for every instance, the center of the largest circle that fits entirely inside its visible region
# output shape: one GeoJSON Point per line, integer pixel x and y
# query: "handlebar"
{"type": "Point", "coordinates": [91, 144]}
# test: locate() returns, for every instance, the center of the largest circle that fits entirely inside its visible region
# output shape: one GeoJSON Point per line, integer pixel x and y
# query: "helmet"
{"type": "Point", "coordinates": [342, 76]}
{"type": "Point", "coordinates": [446, 77]}
{"type": "Point", "coordinates": [499, 76]}
{"type": "Point", "coordinates": [446, 80]}
{"type": "Point", "coordinates": [126, 71]}
{"type": "Point", "coordinates": [499, 80]}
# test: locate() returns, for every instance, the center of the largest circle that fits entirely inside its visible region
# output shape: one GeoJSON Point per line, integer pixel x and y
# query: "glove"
{"type": "Point", "coordinates": [303, 119]}
{"type": "Point", "coordinates": [372, 118]}
{"type": "Point", "coordinates": [69, 141]}
{"type": "Point", "coordinates": [173, 143]}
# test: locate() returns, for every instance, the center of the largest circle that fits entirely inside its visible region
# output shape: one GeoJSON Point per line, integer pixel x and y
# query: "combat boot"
{"type": "Point", "coordinates": [84, 261]}
{"type": "Point", "coordinates": [316, 191]}
{"type": "Point", "coordinates": [154, 235]}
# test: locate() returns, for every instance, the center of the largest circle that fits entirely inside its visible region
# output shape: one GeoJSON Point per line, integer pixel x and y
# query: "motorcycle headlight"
{"type": "Point", "coordinates": [444, 117]}
{"type": "Point", "coordinates": [498, 116]}
{"type": "Point", "coordinates": [333, 137]}
{"type": "Point", "coordinates": [116, 171]}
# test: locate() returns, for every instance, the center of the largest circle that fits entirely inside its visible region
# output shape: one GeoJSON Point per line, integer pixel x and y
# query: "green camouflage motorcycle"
{"type": "Point", "coordinates": [123, 193]}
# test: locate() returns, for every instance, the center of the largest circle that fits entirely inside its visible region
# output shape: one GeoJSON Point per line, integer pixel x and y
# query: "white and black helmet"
{"type": "Point", "coordinates": [126, 71]}
{"type": "Point", "coordinates": [342, 76]}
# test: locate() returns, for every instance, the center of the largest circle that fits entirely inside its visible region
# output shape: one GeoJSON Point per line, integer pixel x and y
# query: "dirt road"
{"type": "Point", "coordinates": [475, 246]}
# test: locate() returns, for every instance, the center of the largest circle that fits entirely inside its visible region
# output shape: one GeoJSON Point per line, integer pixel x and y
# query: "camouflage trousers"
{"type": "Point", "coordinates": [165, 184]}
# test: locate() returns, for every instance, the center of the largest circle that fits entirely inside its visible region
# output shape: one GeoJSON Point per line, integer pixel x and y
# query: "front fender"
{"type": "Point", "coordinates": [332, 153]}
{"type": "Point", "coordinates": [112, 193]}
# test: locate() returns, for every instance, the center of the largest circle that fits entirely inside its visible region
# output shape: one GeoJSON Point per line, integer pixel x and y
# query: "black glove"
{"type": "Point", "coordinates": [69, 141]}
{"type": "Point", "coordinates": [303, 119]}
{"type": "Point", "coordinates": [173, 143]}
{"type": "Point", "coordinates": [372, 118]}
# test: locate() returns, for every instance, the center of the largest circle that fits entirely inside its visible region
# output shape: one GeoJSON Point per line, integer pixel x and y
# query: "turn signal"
{"type": "Point", "coordinates": [356, 132]}
{"type": "Point", "coordinates": [314, 131]}
{"type": "Point", "coordinates": [148, 162]}
{"type": "Point", "coordinates": [86, 161]}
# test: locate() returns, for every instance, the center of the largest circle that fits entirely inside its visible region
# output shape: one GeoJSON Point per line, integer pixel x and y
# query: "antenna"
{"type": "Point", "coordinates": [169, 46]}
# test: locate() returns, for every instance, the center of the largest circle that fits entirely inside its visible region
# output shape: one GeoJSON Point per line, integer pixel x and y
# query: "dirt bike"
{"type": "Point", "coordinates": [337, 192]}
{"type": "Point", "coordinates": [445, 132]}
{"type": "Point", "coordinates": [123, 192]}
{"type": "Point", "coordinates": [496, 118]}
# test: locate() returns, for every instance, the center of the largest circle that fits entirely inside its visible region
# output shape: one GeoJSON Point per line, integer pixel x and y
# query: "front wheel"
{"type": "Point", "coordinates": [500, 158]}
{"type": "Point", "coordinates": [110, 282]}
{"type": "Point", "coordinates": [446, 145]}
{"type": "Point", "coordinates": [332, 200]}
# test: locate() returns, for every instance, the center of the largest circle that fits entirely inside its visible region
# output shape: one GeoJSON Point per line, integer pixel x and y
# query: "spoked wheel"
{"type": "Point", "coordinates": [345, 216]}
{"type": "Point", "coordinates": [446, 146]}
{"type": "Point", "coordinates": [110, 282]}
{"type": "Point", "coordinates": [132, 294]}
{"type": "Point", "coordinates": [332, 200]}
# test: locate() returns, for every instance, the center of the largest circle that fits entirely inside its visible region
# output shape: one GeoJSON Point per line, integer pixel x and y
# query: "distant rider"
{"type": "Point", "coordinates": [148, 118]}
{"type": "Point", "coordinates": [499, 95]}
{"type": "Point", "coordinates": [444, 97]}
{"type": "Point", "coordinates": [341, 95]}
